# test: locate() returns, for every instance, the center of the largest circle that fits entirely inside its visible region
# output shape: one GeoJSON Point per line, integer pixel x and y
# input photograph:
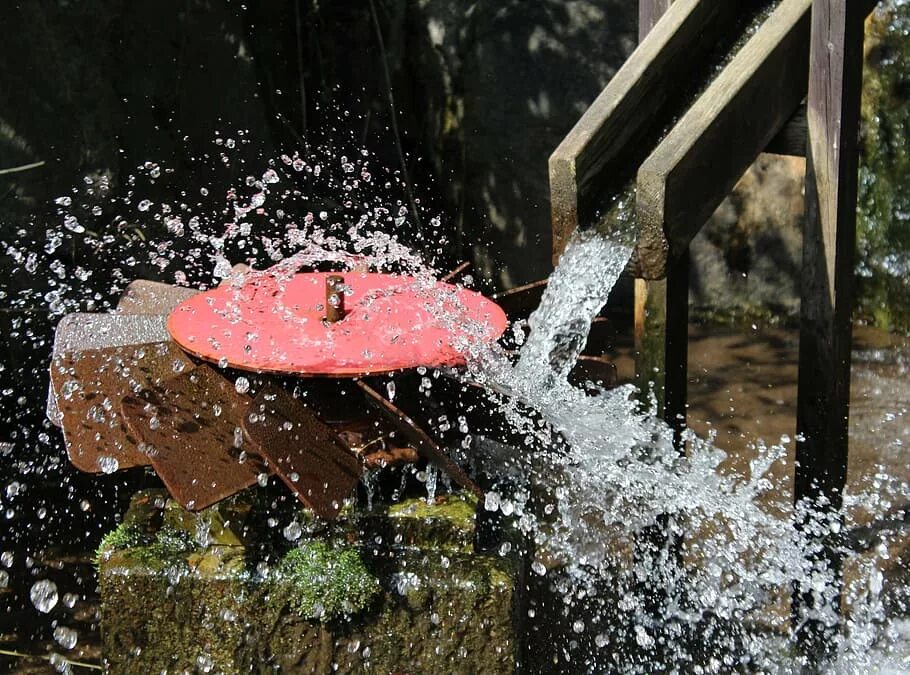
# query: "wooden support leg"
{"type": "Point", "coordinates": [835, 80]}
{"type": "Point", "coordinates": [662, 309]}
{"type": "Point", "coordinates": [661, 342]}
{"type": "Point", "coordinates": [649, 11]}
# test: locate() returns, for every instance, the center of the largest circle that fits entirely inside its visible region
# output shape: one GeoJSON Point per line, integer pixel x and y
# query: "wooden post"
{"type": "Point", "coordinates": [835, 83]}
{"type": "Point", "coordinates": [662, 309]}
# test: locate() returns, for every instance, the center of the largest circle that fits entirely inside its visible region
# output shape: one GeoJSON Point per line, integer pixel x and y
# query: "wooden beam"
{"type": "Point", "coordinates": [661, 313]}
{"type": "Point", "coordinates": [698, 163]}
{"type": "Point", "coordinates": [835, 87]}
{"type": "Point", "coordinates": [792, 139]}
{"type": "Point", "coordinates": [601, 151]}
{"type": "Point", "coordinates": [661, 343]}
{"type": "Point", "coordinates": [649, 12]}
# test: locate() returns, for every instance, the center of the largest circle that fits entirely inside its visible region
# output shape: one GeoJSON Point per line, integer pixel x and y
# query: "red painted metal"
{"type": "Point", "coordinates": [273, 324]}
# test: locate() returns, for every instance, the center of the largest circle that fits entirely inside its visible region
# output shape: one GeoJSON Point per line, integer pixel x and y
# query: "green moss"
{"type": "Point", "coordinates": [326, 583]}
{"type": "Point", "coordinates": [458, 509]}
{"type": "Point", "coordinates": [883, 222]}
{"type": "Point", "coordinates": [121, 537]}
{"type": "Point", "coordinates": [165, 547]}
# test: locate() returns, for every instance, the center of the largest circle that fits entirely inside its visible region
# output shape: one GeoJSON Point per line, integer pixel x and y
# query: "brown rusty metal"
{"type": "Point", "coordinates": [372, 441]}
{"type": "Point", "coordinates": [192, 427]}
{"type": "Point", "coordinates": [380, 457]}
{"type": "Point", "coordinates": [305, 453]}
{"type": "Point", "coordinates": [79, 331]}
{"type": "Point", "coordinates": [334, 298]}
{"type": "Point", "coordinates": [152, 297]}
{"type": "Point", "coordinates": [596, 369]}
{"type": "Point", "coordinates": [89, 385]}
{"type": "Point", "coordinates": [418, 438]}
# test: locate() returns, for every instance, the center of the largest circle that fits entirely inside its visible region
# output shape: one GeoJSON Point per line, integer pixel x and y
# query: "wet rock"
{"type": "Point", "coordinates": [344, 597]}
{"type": "Point", "coordinates": [747, 258]}
{"type": "Point", "coordinates": [883, 223]}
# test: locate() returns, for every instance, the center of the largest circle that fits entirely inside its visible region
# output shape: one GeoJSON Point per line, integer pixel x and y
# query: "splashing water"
{"type": "Point", "coordinates": [662, 560]}
{"type": "Point", "coordinates": [698, 569]}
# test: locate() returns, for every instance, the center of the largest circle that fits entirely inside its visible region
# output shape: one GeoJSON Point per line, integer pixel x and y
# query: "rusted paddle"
{"type": "Point", "coordinates": [88, 386]}
{"type": "Point", "coordinates": [305, 453]}
{"type": "Point", "coordinates": [192, 427]}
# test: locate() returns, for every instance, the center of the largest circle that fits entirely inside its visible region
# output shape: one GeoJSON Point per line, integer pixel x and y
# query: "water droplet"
{"type": "Point", "coordinates": [108, 464]}
{"type": "Point", "coordinates": [44, 595]}
{"type": "Point", "coordinates": [66, 637]}
{"type": "Point", "coordinates": [293, 531]}
{"type": "Point", "coordinates": [242, 385]}
{"type": "Point", "coordinates": [205, 663]}
{"type": "Point", "coordinates": [72, 224]}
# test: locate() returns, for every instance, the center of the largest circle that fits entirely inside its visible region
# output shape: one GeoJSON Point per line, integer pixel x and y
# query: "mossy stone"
{"type": "Point", "coordinates": [425, 604]}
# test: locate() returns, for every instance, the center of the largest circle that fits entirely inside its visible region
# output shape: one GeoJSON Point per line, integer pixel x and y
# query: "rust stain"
{"type": "Point", "coordinates": [305, 453]}
{"type": "Point", "coordinates": [89, 385]}
{"type": "Point", "coordinates": [192, 426]}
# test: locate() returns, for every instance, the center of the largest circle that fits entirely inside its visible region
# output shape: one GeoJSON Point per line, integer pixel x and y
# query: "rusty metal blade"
{"type": "Point", "coordinates": [596, 369]}
{"type": "Point", "coordinates": [80, 331]}
{"type": "Point", "coordinates": [89, 386]}
{"type": "Point", "coordinates": [419, 439]}
{"type": "Point", "coordinates": [305, 453]}
{"type": "Point", "coordinates": [192, 426]}
{"type": "Point", "coordinates": [152, 297]}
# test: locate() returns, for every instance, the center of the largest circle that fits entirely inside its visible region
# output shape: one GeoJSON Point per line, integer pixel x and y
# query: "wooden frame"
{"type": "Point", "coordinates": [806, 50]}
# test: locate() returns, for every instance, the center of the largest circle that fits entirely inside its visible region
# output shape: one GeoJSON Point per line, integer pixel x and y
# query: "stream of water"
{"type": "Point", "coordinates": [662, 562]}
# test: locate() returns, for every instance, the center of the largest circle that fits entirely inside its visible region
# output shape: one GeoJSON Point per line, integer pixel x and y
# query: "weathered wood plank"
{"type": "Point", "coordinates": [649, 12]}
{"type": "Point", "coordinates": [835, 85]}
{"type": "Point", "coordinates": [661, 343]}
{"type": "Point", "coordinates": [792, 139]}
{"type": "Point", "coordinates": [698, 163]}
{"type": "Point", "coordinates": [602, 150]}
{"type": "Point", "coordinates": [662, 314]}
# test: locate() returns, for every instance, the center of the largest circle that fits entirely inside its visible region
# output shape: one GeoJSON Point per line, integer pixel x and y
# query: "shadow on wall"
{"type": "Point", "coordinates": [522, 73]}
{"type": "Point", "coordinates": [483, 92]}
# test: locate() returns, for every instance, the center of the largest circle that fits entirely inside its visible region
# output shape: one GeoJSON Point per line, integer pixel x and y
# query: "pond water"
{"type": "Point", "coordinates": [640, 559]}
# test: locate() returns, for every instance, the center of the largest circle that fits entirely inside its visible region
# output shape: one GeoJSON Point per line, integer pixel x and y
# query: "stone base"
{"type": "Point", "coordinates": [428, 607]}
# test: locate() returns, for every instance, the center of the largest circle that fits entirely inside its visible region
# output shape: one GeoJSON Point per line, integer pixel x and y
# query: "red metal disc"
{"type": "Point", "coordinates": [266, 323]}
